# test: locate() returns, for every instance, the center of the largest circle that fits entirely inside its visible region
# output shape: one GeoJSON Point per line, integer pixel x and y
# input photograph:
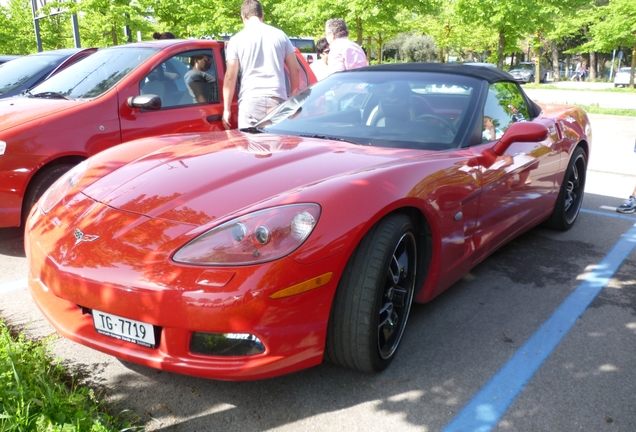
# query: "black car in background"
{"type": "Point", "coordinates": [25, 72]}
{"type": "Point", "coordinates": [6, 58]}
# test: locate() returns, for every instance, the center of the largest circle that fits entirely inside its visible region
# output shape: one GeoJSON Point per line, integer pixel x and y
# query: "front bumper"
{"type": "Point", "coordinates": [522, 78]}
{"type": "Point", "coordinates": [126, 273]}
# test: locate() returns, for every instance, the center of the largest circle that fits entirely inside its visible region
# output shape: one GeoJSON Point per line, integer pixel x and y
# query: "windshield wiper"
{"type": "Point", "coordinates": [51, 95]}
{"type": "Point", "coordinates": [327, 137]}
{"type": "Point", "coordinates": [253, 129]}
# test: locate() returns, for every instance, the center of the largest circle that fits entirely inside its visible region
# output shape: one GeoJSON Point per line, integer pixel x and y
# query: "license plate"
{"type": "Point", "coordinates": [124, 329]}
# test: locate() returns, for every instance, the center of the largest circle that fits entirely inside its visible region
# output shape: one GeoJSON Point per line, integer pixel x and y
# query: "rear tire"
{"type": "Point", "coordinates": [39, 184]}
{"type": "Point", "coordinates": [374, 297]}
{"type": "Point", "coordinates": [570, 199]}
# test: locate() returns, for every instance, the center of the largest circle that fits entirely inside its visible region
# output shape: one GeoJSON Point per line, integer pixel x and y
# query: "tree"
{"type": "Point", "coordinates": [616, 28]}
{"type": "Point", "coordinates": [17, 34]}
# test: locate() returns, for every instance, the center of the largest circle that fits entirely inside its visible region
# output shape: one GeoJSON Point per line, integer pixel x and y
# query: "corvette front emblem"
{"type": "Point", "coordinates": [81, 237]}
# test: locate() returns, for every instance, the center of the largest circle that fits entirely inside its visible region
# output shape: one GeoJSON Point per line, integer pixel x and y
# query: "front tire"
{"type": "Point", "coordinates": [570, 199]}
{"type": "Point", "coordinates": [374, 297]}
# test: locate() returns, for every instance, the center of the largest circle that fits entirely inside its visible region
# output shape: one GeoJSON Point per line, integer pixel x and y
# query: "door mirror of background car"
{"type": "Point", "coordinates": [146, 101]}
{"type": "Point", "coordinates": [522, 131]}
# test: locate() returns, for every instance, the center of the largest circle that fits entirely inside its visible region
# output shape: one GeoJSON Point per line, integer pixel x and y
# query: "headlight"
{"type": "Point", "coordinates": [257, 237]}
{"type": "Point", "coordinates": [3, 147]}
{"type": "Point", "coordinates": [62, 186]}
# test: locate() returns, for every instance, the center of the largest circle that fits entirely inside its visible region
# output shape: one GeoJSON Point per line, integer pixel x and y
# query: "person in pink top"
{"type": "Point", "coordinates": [343, 53]}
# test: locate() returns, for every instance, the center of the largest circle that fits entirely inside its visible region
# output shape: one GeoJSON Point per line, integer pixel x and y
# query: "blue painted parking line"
{"type": "Point", "coordinates": [631, 218]}
{"type": "Point", "coordinates": [7, 287]}
{"type": "Point", "coordinates": [486, 408]}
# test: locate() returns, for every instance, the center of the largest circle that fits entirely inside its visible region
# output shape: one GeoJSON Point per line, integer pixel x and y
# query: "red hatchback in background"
{"type": "Point", "coordinates": [117, 94]}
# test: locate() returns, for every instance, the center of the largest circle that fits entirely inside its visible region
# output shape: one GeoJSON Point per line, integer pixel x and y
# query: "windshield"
{"type": "Point", "coordinates": [22, 70]}
{"type": "Point", "coordinates": [417, 110]}
{"type": "Point", "coordinates": [526, 66]}
{"type": "Point", "coordinates": [95, 74]}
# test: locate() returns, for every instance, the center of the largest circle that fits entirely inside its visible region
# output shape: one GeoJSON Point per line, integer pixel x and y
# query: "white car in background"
{"type": "Point", "coordinates": [307, 47]}
{"type": "Point", "coordinates": [622, 76]}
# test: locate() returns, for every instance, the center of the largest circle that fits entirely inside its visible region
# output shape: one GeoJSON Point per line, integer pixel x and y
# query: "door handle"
{"type": "Point", "coordinates": [214, 118]}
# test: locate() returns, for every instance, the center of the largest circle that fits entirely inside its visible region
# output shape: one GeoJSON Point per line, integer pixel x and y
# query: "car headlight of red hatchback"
{"type": "Point", "coordinates": [257, 237]}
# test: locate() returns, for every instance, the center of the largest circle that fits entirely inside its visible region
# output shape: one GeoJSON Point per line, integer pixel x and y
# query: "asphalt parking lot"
{"type": "Point", "coordinates": [539, 337]}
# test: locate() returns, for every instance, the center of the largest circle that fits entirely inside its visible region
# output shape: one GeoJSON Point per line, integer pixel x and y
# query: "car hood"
{"type": "Point", "coordinates": [204, 177]}
{"type": "Point", "coordinates": [18, 110]}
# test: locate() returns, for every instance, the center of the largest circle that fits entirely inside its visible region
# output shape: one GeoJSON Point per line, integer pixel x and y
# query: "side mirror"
{"type": "Point", "coordinates": [145, 101]}
{"type": "Point", "coordinates": [522, 131]}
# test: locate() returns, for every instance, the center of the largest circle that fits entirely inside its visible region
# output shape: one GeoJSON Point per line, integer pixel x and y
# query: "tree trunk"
{"type": "Point", "coordinates": [359, 31]}
{"type": "Point", "coordinates": [441, 55]}
{"type": "Point", "coordinates": [537, 63]}
{"type": "Point", "coordinates": [555, 61]}
{"type": "Point", "coordinates": [501, 48]}
{"type": "Point", "coordinates": [631, 75]}
{"type": "Point", "coordinates": [113, 33]}
{"type": "Point", "coordinates": [592, 67]}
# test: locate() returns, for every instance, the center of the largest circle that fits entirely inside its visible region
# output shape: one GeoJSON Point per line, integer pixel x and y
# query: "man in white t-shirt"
{"type": "Point", "coordinates": [261, 52]}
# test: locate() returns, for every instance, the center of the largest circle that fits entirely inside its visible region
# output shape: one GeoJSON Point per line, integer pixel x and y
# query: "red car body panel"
{"type": "Point", "coordinates": [142, 216]}
{"type": "Point", "coordinates": [44, 132]}
{"type": "Point", "coordinates": [111, 241]}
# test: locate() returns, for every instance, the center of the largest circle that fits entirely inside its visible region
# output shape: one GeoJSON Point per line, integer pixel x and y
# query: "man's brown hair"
{"type": "Point", "coordinates": [251, 8]}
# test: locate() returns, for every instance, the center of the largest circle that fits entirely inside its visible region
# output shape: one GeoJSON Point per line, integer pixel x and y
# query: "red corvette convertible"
{"type": "Point", "coordinates": [248, 254]}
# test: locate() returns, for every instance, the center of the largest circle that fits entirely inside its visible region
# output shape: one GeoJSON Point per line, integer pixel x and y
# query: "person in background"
{"type": "Point", "coordinates": [320, 66]}
{"type": "Point", "coordinates": [343, 53]}
{"type": "Point", "coordinates": [164, 35]}
{"type": "Point", "coordinates": [261, 52]}
{"type": "Point", "coordinates": [629, 206]}
{"type": "Point", "coordinates": [198, 80]}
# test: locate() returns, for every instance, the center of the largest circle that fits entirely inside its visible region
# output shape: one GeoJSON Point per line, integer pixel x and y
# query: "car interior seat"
{"type": "Point", "coordinates": [394, 107]}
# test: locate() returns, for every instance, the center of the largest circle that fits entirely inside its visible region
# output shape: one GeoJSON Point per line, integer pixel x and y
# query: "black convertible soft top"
{"type": "Point", "coordinates": [490, 74]}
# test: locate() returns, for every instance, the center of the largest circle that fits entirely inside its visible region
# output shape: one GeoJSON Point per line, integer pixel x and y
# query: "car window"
{"type": "Point", "coordinates": [184, 80]}
{"type": "Point", "coordinates": [20, 71]}
{"type": "Point", "coordinates": [304, 45]}
{"type": "Point", "coordinates": [395, 109]}
{"type": "Point", "coordinates": [95, 74]}
{"type": "Point", "coordinates": [504, 105]}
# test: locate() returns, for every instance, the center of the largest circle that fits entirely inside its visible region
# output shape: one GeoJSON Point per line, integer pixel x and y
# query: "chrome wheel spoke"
{"type": "Point", "coordinates": [397, 296]}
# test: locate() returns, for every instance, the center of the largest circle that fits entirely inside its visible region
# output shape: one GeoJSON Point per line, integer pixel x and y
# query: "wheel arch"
{"type": "Point", "coordinates": [64, 160]}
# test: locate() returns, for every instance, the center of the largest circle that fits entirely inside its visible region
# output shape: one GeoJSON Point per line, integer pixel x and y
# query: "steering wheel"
{"type": "Point", "coordinates": [432, 118]}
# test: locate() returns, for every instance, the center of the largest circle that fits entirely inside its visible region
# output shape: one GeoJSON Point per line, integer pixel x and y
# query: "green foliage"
{"type": "Point", "coordinates": [37, 395]}
{"type": "Point", "coordinates": [469, 29]}
{"type": "Point", "coordinates": [413, 48]}
{"type": "Point", "coordinates": [17, 34]}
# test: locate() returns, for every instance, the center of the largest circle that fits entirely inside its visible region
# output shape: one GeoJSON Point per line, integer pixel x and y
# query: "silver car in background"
{"type": "Point", "coordinates": [622, 77]}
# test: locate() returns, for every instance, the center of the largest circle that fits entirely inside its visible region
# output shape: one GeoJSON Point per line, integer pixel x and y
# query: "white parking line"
{"type": "Point", "coordinates": [11, 286]}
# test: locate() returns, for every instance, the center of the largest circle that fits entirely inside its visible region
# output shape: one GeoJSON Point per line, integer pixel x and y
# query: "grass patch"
{"type": "Point", "coordinates": [38, 394]}
{"type": "Point", "coordinates": [596, 109]}
{"type": "Point", "coordinates": [583, 88]}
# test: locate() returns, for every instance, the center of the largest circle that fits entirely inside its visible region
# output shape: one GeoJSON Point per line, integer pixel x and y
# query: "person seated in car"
{"type": "Point", "coordinates": [490, 132]}
{"type": "Point", "coordinates": [198, 81]}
